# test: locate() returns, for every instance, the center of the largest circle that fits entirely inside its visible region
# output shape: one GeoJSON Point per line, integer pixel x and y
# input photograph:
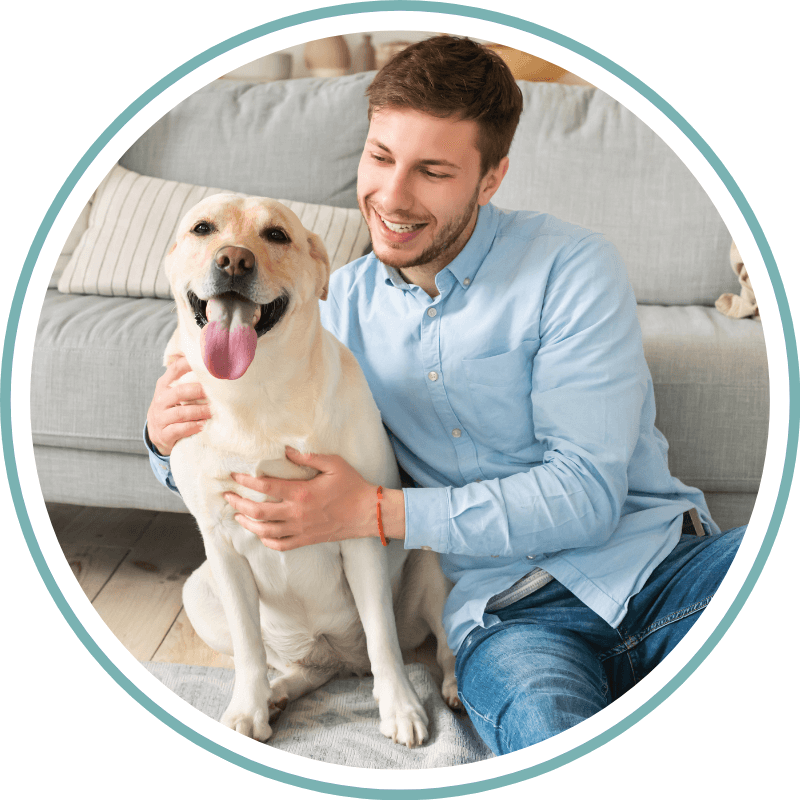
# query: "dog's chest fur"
{"type": "Point", "coordinates": [308, 614]}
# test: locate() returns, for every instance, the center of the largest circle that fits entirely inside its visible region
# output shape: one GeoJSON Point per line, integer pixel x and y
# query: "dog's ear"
{"type": "Point", "coordinates": [320, 254]}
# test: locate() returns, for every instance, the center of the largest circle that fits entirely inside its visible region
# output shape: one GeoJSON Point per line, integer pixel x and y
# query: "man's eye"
{"type": "Point", "coordinates": [202, 228]}
{"type": "Point", "coordinates": [435, 174]}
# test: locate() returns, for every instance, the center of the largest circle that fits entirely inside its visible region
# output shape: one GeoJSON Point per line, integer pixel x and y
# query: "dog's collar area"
{"type": "Point", "coordinates": [271, 313]}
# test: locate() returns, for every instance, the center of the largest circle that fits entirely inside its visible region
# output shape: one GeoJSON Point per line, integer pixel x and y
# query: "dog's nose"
{"type": "Point", "coordinates": [235, 260]}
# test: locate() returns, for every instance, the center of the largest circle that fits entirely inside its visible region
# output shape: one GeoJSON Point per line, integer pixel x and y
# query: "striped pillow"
{"type": "Point", "coordinates": [133, 222]}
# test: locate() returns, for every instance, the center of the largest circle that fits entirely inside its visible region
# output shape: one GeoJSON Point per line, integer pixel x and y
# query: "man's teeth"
{"type": "Point", "coordinates": [403, 227]}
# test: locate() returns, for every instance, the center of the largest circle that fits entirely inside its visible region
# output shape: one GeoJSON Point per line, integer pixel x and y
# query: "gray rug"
{"type": "Point", "coordinates": [338, 723]}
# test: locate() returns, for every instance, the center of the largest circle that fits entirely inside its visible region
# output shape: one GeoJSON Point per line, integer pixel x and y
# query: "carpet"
{"type": "Point", "coordinates": [338, 723]}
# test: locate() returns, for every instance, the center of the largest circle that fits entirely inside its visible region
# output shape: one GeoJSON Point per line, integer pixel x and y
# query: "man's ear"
{"type": "Point", "coordinates": [491, 181]}
{"type": "Point", "coordinates": [320, 255]}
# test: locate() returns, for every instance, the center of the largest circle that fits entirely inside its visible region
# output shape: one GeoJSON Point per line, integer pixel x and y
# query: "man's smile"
{"type": "Point", "coordinates": [401, 227]}
{"type": "Point", "coordinates": [396, 232]}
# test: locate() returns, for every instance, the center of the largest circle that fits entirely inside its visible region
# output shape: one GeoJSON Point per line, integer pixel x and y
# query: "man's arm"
{"type": "Point", "coordinates": [590, 386]}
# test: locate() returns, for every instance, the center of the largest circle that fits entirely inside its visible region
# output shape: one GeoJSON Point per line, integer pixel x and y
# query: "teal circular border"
{"type": "Point", "coordinates": [345, 10]}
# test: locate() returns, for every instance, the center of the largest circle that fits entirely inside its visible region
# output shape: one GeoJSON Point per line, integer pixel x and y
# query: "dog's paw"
{"type": "Point", "coordinates": [407, 727]}
{"type": "Point", "coordinates": [276, 706]}
{"type": "Point", "coordinates": [403, 719]}
{"type": "Point", "coordinates": [252, 722]}
{"type": "Point", "coordinates": [450, 693]}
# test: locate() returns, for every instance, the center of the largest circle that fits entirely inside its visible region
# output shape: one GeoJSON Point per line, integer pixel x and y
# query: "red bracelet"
{"type": "Point", "coordinates": [380, 521]}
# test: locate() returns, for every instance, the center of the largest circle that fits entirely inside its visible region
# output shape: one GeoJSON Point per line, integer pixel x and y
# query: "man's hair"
{"type": "Point", "coordinates": [450, 76]}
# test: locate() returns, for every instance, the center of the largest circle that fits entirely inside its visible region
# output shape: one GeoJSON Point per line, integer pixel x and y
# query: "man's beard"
{"type": "Point", "coordinates": [442, 242]}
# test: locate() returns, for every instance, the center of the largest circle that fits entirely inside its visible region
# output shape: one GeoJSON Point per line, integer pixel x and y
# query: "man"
{"type": "Point", "coordinates": [504, 352]}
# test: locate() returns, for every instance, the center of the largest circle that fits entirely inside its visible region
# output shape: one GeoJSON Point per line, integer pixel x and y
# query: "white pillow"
{"type": "Point", "coordinates": [132, 224]}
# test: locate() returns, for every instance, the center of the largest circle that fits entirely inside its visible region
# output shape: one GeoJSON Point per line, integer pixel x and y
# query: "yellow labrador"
{"type": "Point", "coordinates": [247, 277]}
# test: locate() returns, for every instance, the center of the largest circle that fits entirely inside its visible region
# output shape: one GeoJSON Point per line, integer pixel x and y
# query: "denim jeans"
{"type": "Point", "coordinates": [552, 662]}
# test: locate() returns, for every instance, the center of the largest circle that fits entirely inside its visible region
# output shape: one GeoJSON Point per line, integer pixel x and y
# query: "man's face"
{"type": "Point", "coordinates": [419, 186]}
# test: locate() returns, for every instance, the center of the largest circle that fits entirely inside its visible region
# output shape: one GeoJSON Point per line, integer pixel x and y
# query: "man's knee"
{"type": "Point", "coordinates": [522, 683]}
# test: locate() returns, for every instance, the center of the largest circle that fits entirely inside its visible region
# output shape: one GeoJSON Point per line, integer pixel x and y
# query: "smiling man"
{"type": "Point", "coordinates": [504, 352]}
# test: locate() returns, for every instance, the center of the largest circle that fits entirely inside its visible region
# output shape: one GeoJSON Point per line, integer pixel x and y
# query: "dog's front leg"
{"type": "Point", "coordinates": [403, 719]}
{"type": "Point", "coordinates": [248, 710]}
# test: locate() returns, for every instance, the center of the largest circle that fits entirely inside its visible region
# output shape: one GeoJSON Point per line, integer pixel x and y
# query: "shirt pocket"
{"type": "Point", "coordinates": [500, 394]}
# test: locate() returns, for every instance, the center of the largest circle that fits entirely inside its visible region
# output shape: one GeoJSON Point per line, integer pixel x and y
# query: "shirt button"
{"type": "Point", "coordinates": [456, 432]}
{"type": "Point", "coordinates": [424, 547]}
{"type": "Point", "coordinates": [467, 281]}
{"type": "Point", "coordinates": [431, 312]}
{"type": "Point", "coordinates": [434, 376]}
{"type": "Point", "coordinates": [530, 557]}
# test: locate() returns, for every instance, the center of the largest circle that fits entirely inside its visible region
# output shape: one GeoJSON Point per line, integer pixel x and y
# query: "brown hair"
{"type": "Point", "coordinates": [450, 76]}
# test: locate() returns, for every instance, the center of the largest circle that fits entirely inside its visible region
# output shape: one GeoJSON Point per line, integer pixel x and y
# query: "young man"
{"type": "Point", "coordinates": [504, 352]}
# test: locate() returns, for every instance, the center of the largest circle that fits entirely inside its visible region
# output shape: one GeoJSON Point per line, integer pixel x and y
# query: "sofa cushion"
{"type": "Point", "coordinates": [97, 360]}
{"type": "Point", "coordinates": [300, 139]}
{"type": "Point", "coordinates": [580, 155]}
{"type": "Point", "coordinates": [712, 394]}
{"type": "Point", "coordinates": [132, 225]}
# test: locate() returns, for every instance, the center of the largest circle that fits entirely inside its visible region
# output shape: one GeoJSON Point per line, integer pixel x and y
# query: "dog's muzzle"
{"type": "Point", "coordinates": [271, 313]}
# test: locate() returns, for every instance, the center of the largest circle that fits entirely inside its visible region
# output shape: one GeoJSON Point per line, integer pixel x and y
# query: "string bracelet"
{"type": "Point", "coordinates": [380, 520]}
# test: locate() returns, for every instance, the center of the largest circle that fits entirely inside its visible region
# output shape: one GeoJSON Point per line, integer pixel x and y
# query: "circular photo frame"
{"type": "Point", "coordinates": [779, 333]}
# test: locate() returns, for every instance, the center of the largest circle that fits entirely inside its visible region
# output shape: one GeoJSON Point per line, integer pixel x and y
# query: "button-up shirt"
{"type": "Point", "coordinates": [519, 402]}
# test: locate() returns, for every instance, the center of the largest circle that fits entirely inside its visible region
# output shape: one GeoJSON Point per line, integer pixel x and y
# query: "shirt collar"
{"type": "Point", "coordinates": [464, 266]}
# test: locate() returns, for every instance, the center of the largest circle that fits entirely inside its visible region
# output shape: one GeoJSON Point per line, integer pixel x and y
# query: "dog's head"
{"type": "Point", "coordinates": [240, 268]}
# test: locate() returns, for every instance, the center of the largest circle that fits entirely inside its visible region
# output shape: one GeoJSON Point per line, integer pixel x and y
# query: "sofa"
{"type": "Point", "coordinates": [578, 154]}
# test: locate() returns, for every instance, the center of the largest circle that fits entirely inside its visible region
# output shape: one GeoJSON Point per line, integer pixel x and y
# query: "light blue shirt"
{"type": "Point", "coordinates": [519, 402]}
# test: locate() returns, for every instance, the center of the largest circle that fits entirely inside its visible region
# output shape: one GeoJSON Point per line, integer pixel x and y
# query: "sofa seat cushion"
{"type": "Point", "coordinates": [95, 365]}
{"type": "Point", "coordinates": [712, 394]}
{"type": "Point", "coordinates": [97, 360]}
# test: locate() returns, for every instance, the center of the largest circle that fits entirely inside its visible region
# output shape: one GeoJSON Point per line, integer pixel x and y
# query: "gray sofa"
{"type": "Point", "coordinates": [577, 154]}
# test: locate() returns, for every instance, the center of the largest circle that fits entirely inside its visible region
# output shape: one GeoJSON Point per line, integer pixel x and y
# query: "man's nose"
{"type": "Point", "coordinates": [396, 193]}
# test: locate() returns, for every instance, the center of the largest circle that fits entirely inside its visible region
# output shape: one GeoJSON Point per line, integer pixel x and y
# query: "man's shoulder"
{"type": "Point", "coordinates": [571, 251]}
{"type": "Point", "coordinates": [354, 274]}
{"type": "Point", "coordinates": [528, 225]}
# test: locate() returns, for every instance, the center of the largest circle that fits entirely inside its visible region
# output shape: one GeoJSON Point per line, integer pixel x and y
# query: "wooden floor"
{"type": "Point", "coordinates": [132, 566]}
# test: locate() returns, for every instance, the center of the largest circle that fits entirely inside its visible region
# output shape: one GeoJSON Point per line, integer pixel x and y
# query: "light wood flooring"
{"type": "Point", "coordinates": [132, 565]}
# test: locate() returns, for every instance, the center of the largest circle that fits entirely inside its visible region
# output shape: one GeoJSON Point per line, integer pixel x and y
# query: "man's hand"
{"type": "Point", "coordinates": [336, 504]}
{"type": "Point", "coordinates": [174, 412]}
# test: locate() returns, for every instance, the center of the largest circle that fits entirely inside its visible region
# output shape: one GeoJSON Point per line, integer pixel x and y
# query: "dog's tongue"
{"type": "Point", "coordinates": [229, 338]}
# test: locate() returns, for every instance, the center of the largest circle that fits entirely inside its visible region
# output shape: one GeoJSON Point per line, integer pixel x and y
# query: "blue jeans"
{"type": "Point", "coordinates": [552, 662]}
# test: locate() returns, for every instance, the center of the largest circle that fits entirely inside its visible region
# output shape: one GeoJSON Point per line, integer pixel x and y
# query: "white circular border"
{"type": "Point", "coordinates": [778, 372]}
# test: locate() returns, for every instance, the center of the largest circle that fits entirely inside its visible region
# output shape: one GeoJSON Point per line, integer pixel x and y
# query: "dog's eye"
{"type": "Point", "coordinates": [202, 228]}
{"type": "Point", "coordinates": [275, 235]}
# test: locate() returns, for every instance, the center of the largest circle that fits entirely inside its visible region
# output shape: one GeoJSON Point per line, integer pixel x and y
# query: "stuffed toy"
{"type": "Point", "coordinates": [743, 304]}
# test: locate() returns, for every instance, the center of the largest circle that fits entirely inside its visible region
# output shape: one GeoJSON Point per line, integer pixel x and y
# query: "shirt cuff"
{"type": "Point", "coordinates": [427, 519]}
{"type": "Point", "coordinates": [159, 464]}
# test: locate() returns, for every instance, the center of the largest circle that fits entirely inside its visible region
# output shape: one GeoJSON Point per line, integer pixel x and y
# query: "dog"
{"type": "Point", "coordinates": [247, 277]}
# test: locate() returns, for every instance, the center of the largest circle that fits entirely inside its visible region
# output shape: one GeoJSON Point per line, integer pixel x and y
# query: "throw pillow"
{"type": "Point", "coordinates": [133, 221]}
